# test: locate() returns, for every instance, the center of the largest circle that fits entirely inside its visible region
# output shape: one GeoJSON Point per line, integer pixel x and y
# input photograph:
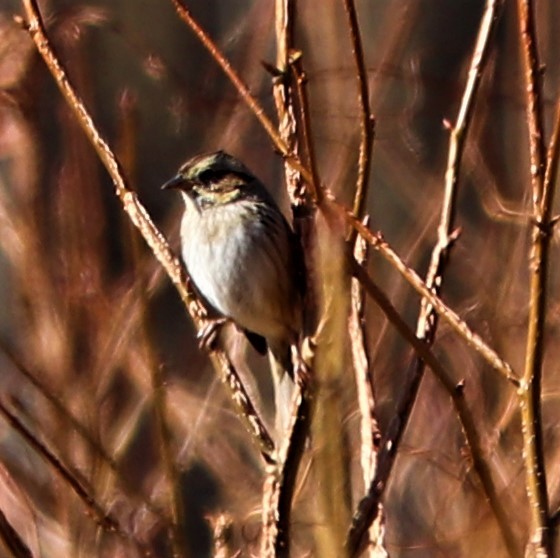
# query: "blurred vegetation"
{"type": "Point", "coordinates": [89, 315]}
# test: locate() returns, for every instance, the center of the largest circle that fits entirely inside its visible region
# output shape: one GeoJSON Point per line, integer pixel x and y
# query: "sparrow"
{"type": "Point", "coordinates": [244, 260]}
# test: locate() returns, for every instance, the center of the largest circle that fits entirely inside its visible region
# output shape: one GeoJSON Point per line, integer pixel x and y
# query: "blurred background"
{"type": "Point", "coordinates": [87, 312]}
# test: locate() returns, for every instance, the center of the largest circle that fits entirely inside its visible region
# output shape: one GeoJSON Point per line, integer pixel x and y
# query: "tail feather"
{"type": "Point", "coordinates": [283, 381]}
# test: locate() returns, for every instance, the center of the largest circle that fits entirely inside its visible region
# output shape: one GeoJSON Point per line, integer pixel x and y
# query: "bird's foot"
{"type": "Point", "coordinates": [208, 335]}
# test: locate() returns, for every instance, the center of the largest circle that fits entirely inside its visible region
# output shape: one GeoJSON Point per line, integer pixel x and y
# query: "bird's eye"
{"type": "Point", "coordinates": [208, 176]}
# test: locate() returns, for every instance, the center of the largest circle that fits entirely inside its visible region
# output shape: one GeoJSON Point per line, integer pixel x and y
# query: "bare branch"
{"type": "Point", "coordinates": [367, 121]}
{"type": "Point", "coordinates": [540, 540]}
{"type": "Point", "coordinates": [370, 434]}
{"type": "Point", "coordinates": [281, 477]}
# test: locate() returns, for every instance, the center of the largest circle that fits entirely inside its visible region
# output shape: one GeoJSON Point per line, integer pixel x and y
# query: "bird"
{"type": "Point", "coordinates": [244, 259]}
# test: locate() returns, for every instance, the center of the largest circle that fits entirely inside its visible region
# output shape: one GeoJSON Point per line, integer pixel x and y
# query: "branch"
{"type": "Point", "coordinates": [440, 254]}
{"type": "Point", "coordinates": [12, 539]}
{"type": "Point", "coordinates": [370, 435]}
{"type": "Point", "coordinates": [143, 223]}
{"type": "Point", "coordinates": [540, 541]}
{"type": "Point", "coordinates": [281, 478]}
{"type": "Point", "coordinates": [367, 121]}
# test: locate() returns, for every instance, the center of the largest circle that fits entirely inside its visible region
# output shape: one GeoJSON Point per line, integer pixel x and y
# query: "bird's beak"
{"type": "Point", "coordinates": [176, 182]}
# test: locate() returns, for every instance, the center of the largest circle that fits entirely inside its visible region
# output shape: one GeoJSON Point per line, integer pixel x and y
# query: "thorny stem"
{"type": "Point", "coordinates": [142, 221]}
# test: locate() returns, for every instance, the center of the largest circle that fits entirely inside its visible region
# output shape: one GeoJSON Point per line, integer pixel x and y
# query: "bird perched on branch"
{"type": "Point", "coordinates": [244, 259]}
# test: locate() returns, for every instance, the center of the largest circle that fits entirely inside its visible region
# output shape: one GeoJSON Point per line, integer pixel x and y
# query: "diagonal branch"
{"type": "Point", "coordinates": [459, 326]}
{"type": "Point", "coordinates": [143, 223]}
{"type": "Point", "coordinates": [440, 255]}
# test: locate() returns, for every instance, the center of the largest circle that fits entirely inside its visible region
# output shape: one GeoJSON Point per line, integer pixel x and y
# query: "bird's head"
{"type": "Point", "coordinates": [212, 179]}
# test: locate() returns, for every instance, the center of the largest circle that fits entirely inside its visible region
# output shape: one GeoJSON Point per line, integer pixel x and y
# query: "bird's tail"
{"type": "Point", "coordinates": [283, 379]}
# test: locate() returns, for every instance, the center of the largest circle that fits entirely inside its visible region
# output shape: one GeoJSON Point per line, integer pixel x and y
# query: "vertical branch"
{"type": "Point", "coordinates": [282, 91]}
{"type": "Point", "coordinates": [300, 80]}
{"type": "Point", "coordinates": [369, 430]}
{"type": "Point", "coordinates": [370, 434]}
{"type": "Point", "coordinates": [367, 121]}
{"type": "Point", "coordinates": [141, 220]}
{"type": "Point", "coordinates": [426, 325]}
{"type": "Point", "coordinates": [539, 543]}
{"type": "Point", "coordinates": [533, 83]}
{"type": "Point", "coordinates": [281, 477]}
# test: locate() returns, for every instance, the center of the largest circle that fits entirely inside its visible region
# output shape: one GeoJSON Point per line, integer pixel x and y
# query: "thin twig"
{"type": "Point", "coordinates": [540, 541]}
{"type": "Point", "coordinates": [367, 508]}
{"type": "Point", "coordinates": [282, 91]}
{"type": "Point", "coordinates": [367, 121]}
{"type": "Point", "coordinates": [533, 83]}
{"type": "Point", "coordinates": [446, 235]}
{"type": "Point", "coordinates": [300, 80]}
{"type": "Point", "coordinates": [143, 223]}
